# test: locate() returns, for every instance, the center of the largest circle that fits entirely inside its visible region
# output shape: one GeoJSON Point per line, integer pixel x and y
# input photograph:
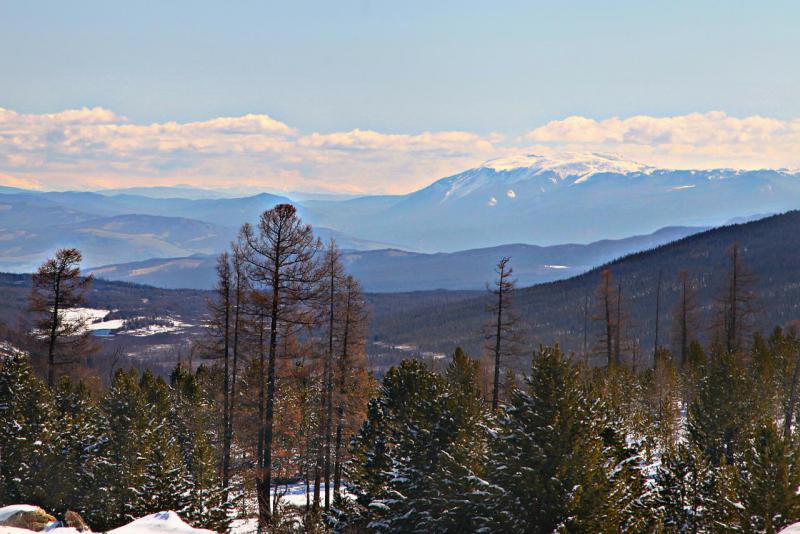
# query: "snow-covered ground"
{"type": "Point", "coordinates": [94, 319]}
{"type": "Point", "coordinates": [158, 523]}
{"type": "Point", "coordinates": [791, 529]}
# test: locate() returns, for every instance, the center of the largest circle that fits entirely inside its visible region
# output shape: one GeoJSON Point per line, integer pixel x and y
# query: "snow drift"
{"type": "Point", "coordinates": [158, 523]}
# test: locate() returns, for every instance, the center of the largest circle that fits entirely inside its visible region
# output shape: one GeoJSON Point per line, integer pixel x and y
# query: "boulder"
{"type": "Point", "coordinates": [74, 520]}
{"type": "Point", "coordinates": [25, 516]}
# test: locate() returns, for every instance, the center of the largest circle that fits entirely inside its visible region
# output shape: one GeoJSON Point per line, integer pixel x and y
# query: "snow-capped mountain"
{"type": "Point", "coordinates": [572, 197]}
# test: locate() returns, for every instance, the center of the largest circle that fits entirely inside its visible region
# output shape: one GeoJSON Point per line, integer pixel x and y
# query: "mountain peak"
{"type": "Point", "coordinates": [580, 165]}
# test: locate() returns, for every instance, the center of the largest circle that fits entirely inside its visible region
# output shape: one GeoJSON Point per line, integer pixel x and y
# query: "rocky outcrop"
{"type": "Point", "coordinates": [28, 517]}
{"type": "Point", "coordinates": [74, 520]}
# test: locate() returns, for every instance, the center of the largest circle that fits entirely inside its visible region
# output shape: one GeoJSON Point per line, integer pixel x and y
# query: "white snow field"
{"type": "Point", "coordinates": [158, 523]}
{"type": "Point", "coordinates": [791, 529]}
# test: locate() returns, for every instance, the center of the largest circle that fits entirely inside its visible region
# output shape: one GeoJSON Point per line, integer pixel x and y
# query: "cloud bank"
{"type": "Point", "coordinates": [695, 140]}
{"type": "Point", "coordinates": [95, 148]}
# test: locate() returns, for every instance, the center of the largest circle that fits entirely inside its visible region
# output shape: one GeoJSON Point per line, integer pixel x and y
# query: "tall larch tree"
{"type": "Point", "coordinates": [58, 286]}
{"type": "Point", "coordinates": [280, 259]}
{"type": "Point", "coordinates": [684, 316]}
{"type": "Point", "coordinates": [350, 372]}
{"type": "Point", "coordinates": [221, 333]}
{"type": "Point", "coordinates": [736, 301]}
{"type": "Point", "coordinates": [331, 277]}
{"type": "Point", "coordinates": [502, 329]}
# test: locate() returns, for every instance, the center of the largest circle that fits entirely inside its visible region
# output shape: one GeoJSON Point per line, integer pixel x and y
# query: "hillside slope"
{"type": "Point", "coordinates": [554, 312]}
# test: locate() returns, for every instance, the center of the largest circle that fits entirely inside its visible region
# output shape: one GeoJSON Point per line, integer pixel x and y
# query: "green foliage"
{"type": "Point", "coordinates": [724, 409]}
{"type": "Point", "coordinates": [29, 439]}
{"type": "Point", "coordinates": [143, 447]}
{"type": "Point", "coordinates": [557, 462]}
{"type": "Point", "coordinates": [418, 457]}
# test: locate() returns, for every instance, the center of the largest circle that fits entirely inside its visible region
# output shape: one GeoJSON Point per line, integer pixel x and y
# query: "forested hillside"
{"type": "Point", "coordinates": [556, 312]}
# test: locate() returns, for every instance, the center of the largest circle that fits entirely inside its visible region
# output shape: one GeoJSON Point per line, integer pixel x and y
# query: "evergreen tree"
{"type": "Point", "coordinates": [418, 456]}
{"type": "Point", "coordinates": [768, 482]}
{"type": "Point", "coordinates": [554, 461]}
{"type": "Point", "coordinates": [79, 437]}
{"type": "Point", "coordinates": [208, 502]}
{"type": "Point", "coordinates": [28, 433]}
{"type": "Point", "coordinates": [684, 485]}
{"type": "Point", "coordinates": [165, 485]}
{"type": "Point", "coordinates": [723, 411]}
{"type": "Point", "coordinates": [120, 475]}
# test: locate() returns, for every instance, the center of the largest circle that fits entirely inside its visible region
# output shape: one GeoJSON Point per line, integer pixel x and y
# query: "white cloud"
{"type": "Point", "coordinates": [95, 147]}
{"type": "Point", "coordinates": [702, 140]}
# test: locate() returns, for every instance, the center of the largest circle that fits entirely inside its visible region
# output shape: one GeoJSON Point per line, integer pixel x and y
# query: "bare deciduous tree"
{"type": "Point", "coordinates": [502, 329]}
{"type": "Point", "coordinates": [736, 301]}
{"type": "Point", "coordinates": [684, 317]}
{"type": "Point", "coordinates": [279, 258]}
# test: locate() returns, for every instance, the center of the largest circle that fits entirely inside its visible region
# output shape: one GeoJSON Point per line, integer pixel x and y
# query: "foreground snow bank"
{"type": "Point", "coordinates": [791, 529]}
{"type": "Point", "coordinates": [159, 523]}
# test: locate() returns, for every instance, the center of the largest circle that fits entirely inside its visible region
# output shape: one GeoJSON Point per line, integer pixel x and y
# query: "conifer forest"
{"type": "Point", "coordinates": [696, 433]}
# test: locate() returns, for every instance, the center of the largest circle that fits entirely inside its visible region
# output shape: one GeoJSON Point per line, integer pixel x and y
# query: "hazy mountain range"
{"type": "Point", "coordinates": [556, 312]}
{"type": "Point", "coordinates": [387, 270]}
{"type": "Point", "coordinates": [530, 200]}
{"type": "Point", "coordinates": [577, 198]}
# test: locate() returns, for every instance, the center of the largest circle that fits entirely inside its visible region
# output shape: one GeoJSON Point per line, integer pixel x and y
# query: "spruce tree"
{"type": "Point", "coordinates": [28, 433]}
{"type": "Point", "coordinates": [418, 457]}
{"type": "Point", "coordinates": [555, 460]}
{"type": "Point", "coordinates": [120, 473]}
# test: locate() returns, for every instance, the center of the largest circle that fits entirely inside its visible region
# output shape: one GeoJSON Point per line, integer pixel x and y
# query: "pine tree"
{"type": "Point", "coordinates": [165, 475]}
{"type": "Point", "coordinates": [28, 433]}
{"type": "Point", "coordinates": [417, 458]}
{"type": "Point", "coordinates": [208, 503]}
{"type": "Point", "coordinates": [684, 485]}
{"type": "Point", "coordinates": [550, 465]}
{"type": "Point", "coordinates": [79, 437]}
{"type": "Point", "coordinates": [120, 474]}
{"type": "Point", "coordinates": [722, 413]}
{"type": "Point", "coordinates": [768, 481]}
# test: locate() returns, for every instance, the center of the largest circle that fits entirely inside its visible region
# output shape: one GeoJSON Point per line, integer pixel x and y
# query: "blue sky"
{"type": "Point", "coordinates": [397, 67]}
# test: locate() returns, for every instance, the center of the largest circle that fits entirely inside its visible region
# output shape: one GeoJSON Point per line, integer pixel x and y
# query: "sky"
{"type": "Point", "coordinates": [385, 97]}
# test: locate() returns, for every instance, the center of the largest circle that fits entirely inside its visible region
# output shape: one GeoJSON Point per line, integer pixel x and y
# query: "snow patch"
{"type": "Point", "coordinates": [161, 522]}
{"type": "Point", "coordinates": [569, 164]}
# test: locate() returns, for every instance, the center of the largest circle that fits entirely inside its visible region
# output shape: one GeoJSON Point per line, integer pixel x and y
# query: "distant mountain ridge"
{"type": "Point", "coordinates": [554, 312]}
{"type": "Point", "coordinates": [392, 270]}
{"type": "Point", "coordinates": [575, 198]}
{"type": "Point", "coordinates": [528, 199]}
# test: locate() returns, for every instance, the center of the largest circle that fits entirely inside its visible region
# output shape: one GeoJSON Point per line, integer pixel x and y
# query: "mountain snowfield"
{"type": "Point", "coordinates": [570, 198]}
